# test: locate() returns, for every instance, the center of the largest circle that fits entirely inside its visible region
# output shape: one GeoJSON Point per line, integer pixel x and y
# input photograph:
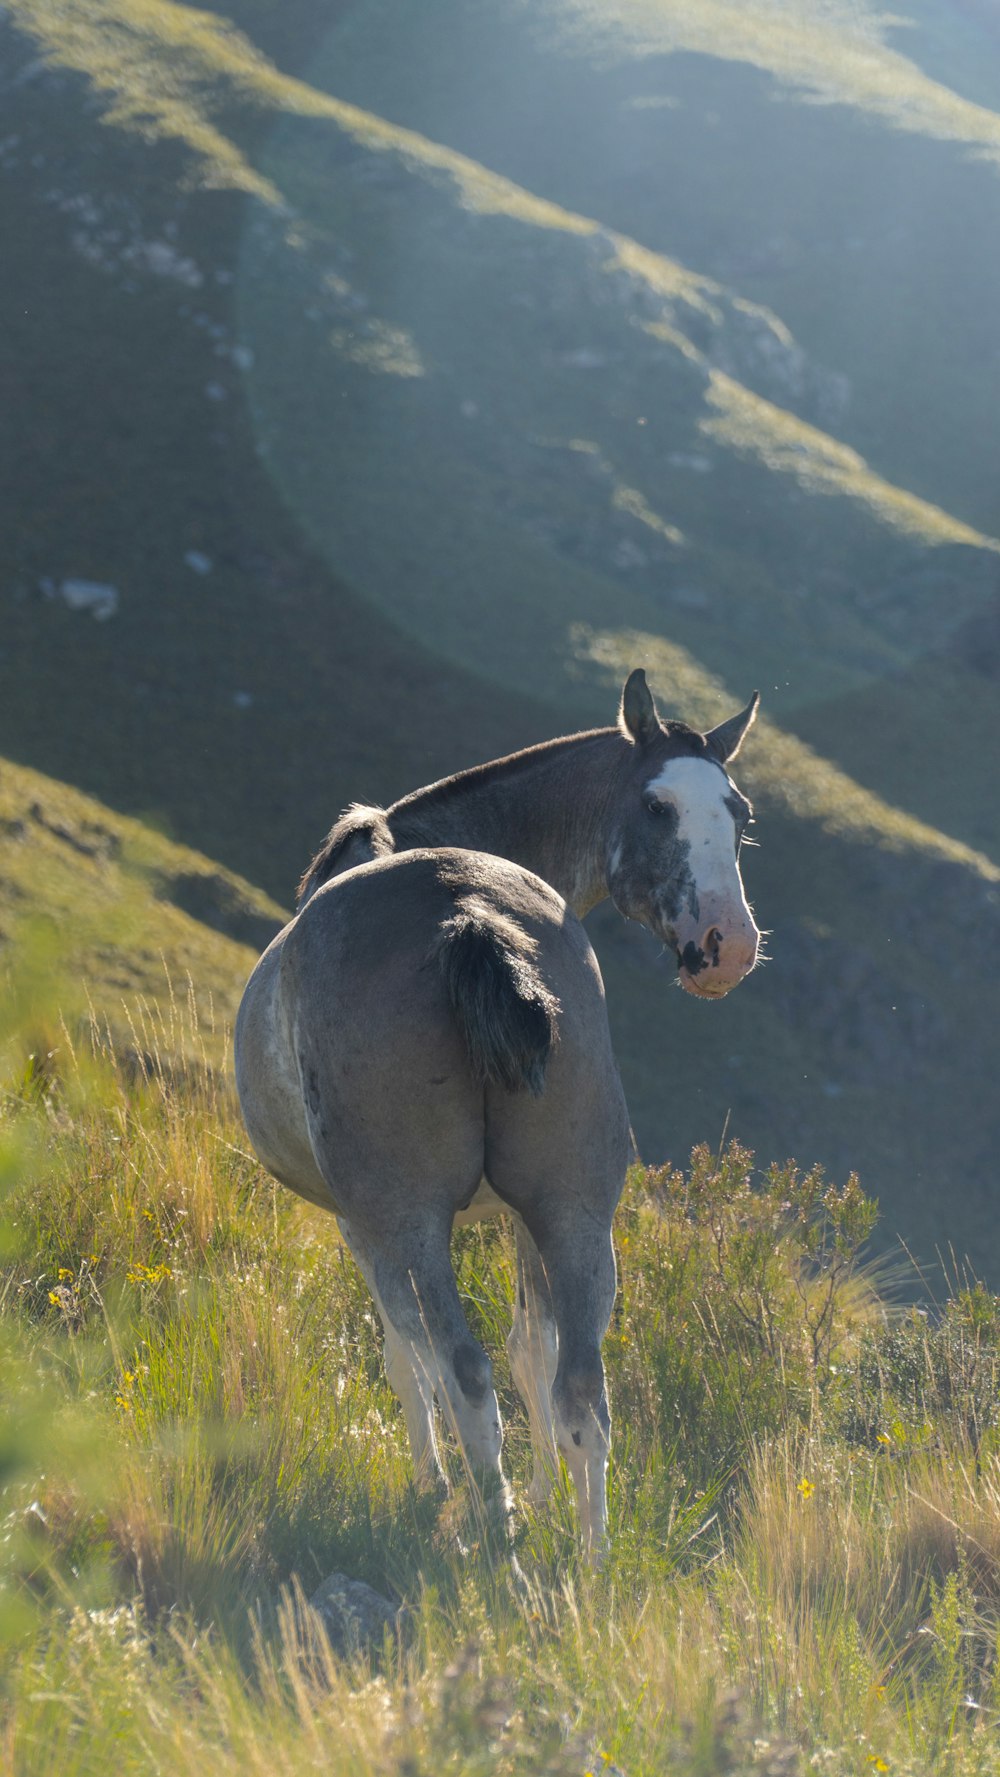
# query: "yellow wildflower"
{"type": "Point", "coordinates": [141, 1273]}
{"type": "Point", "coordinates": [806, 1487]}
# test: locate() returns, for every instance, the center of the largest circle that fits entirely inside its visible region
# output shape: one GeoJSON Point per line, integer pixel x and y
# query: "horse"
{"type": "Point", "coordinates": [426, 1043]}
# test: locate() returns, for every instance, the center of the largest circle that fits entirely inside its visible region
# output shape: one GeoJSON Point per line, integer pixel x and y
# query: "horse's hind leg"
{"type": "Point", "coordinates": [533, 1350]}
{"type": "Point", "coordinates": [407, 1377]}
{"type": "Point", "coordinates": [410, 1274]}
{"type": "Point", "coordinates": [414, 1391]}
{"type": "Point", "coordinates": [579, 1262]}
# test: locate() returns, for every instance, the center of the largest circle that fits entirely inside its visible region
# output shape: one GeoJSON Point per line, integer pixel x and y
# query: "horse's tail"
{"type": "Point", "coordinates": [504, 1011]}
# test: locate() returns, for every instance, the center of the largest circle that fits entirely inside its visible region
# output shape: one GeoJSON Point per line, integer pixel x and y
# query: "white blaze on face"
{"type": "Point", "coordinates": [698, 792]}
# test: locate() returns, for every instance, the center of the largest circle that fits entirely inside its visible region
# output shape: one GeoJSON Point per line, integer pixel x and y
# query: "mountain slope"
{"type": "Point", "coordinates": [399, 387]}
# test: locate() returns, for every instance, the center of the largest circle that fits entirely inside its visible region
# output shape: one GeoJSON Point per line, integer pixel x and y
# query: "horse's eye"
{"type": "Point", "coordinates": [653, 805]}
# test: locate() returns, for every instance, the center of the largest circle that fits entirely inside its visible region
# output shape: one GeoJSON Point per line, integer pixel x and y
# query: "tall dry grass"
{"type": "Point", "coordinates": [805, 1498]}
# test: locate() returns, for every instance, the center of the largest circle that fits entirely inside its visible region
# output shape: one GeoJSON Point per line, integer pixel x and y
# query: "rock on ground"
{"type": "Point", "coordinates": [354, 1615]}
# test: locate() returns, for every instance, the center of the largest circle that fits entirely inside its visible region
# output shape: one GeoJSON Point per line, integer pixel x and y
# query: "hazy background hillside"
{"type": "Point", "coordinates": [393, 377]}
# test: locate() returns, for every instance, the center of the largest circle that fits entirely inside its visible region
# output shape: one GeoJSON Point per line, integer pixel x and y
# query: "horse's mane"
{"type": "Point", "coordinates": [367, 826]}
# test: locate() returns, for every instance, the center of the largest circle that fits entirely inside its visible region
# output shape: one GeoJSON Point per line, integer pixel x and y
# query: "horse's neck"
{"type": "Point", "coordinates": [547, 809]}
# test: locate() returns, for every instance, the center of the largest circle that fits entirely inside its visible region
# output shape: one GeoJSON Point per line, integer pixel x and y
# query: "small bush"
{"type": "Point", "coordinates": [734, 1297]}
{"type": "Point", "coordinates": [921, 1379]}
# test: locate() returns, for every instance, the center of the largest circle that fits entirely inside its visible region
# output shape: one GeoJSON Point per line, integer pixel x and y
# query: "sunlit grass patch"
{"type": "Point", "coordinates": [831, 51]}
{"type": "Point", "coordinates": [746, 422]}
{"type": "Point", "coordinates": [107, 920]}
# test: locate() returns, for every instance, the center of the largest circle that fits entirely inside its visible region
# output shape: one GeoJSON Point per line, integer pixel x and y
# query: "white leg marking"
{"type": "Point", "coordinates": [533, 1349]}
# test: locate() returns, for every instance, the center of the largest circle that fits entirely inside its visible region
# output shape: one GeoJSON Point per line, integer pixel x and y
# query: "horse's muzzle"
{"type": "Point", "coordinates": [711, 965]}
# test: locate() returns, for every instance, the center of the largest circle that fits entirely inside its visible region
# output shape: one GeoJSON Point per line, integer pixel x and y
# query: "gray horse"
{"type": "Point", "coordinates": [427, 1042]}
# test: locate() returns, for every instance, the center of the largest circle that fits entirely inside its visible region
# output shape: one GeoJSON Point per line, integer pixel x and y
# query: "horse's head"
{"type": "Point", "coordinates": [673, 855]}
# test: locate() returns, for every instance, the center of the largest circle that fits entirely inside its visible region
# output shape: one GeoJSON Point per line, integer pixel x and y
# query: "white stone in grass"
{"type": "Point", "coordinates": [95, 596]}
{"type": "Point", "coordinates": [584, 358]}
{"type": "Point", "coordinates": [164, 261]}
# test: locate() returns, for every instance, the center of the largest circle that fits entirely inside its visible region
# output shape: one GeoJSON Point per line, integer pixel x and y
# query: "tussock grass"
{"type": "Point", "coordinates": [805, 1490]}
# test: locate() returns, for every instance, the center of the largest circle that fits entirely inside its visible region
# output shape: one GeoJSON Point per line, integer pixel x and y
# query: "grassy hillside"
{"type": "Point", "coordinates": [137, 913]}
{"type": "Point", "coordinates": [196, 1429]}
{"type": "Point", "coordinates": [399, 377]}
{"type": "Point", "coordinates": [407, 377]}
{"type": "Point", "coordinates": [122, 918]}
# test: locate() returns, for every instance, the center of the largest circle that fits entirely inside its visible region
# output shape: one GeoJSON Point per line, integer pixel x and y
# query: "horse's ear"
{"type": "Point", "coordinates": [726, 740]}
{"type": "Point", "coordinates": [638, 716]}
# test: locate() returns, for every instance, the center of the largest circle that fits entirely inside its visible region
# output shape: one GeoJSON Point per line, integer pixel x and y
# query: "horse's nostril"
{"type": "Point", "coordinates": [711, 944]}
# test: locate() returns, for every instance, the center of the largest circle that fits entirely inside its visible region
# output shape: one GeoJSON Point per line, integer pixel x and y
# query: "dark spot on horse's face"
{"type": "Point", "coordinates": [577, 1439]}
{"type": "Point", "coordinates": [678, 895]}
{"type": "Point", "coordinates": [693, 958]}
{"type": "Point", "coordinates": [650, 876]}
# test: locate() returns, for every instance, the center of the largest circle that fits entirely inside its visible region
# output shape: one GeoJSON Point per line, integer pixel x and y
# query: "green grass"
{"type": "Point", "coordinates": [865, 1040]}
{"type": "Point", "coordinates": [134, 906]}
{"type": "Point", "coordinates": [805, 1564]}
{"type": "Point", "coordinates": [805, 1488]}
